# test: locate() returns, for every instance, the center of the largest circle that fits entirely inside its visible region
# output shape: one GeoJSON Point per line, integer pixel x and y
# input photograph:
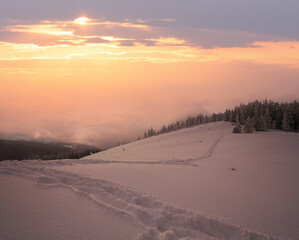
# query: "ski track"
{"type": "Point", "coordinates": [160, 220]}
{"type": "Point", "coordinates": [212, 148]}
{"type": "Point", "coordinates": [190, 161]}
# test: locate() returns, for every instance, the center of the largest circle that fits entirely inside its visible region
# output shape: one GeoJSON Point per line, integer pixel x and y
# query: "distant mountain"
{"type": "Point", "coordinates": [19, 137]}
{"type": "Point", "coordinates": [22, 137]}
{"type": "Point", "coordinates": [46, 140]}
{"type": "Point", "coordinates": [25, 149]}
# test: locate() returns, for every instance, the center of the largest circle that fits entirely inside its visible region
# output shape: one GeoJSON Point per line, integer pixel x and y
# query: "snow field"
{"type": "Point", "coordinates": [189, 173]}
{"type": "Point", "coordinates": [159, 220]}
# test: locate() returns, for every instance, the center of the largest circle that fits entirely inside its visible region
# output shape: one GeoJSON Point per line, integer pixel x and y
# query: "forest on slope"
{"type": "Point", "coordinates": [254, 116]}
{"type": "Point", "coordinates": [23, 150]}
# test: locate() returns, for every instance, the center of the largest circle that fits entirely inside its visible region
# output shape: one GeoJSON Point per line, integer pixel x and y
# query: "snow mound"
{"type": "Point", "coordinates": [160, 220]}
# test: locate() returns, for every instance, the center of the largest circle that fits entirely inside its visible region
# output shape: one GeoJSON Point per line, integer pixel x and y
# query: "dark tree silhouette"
{"type": "Point", "coordinates": [257, 115]}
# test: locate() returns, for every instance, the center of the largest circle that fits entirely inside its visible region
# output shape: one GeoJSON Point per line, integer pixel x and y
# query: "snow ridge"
{"type": "Point", "coordinates": [160, 220]}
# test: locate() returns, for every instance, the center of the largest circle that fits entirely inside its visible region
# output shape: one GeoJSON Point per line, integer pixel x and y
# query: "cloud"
{"type": "Point", "coordinates": [67, 32]}
{"type": "Point", "coordinates": [160, 50]}
{"type": "Point", "coordinates": [133, 32]}
{"type": "Point", "coordinates": [95, 80]}
{"type": "Point", "coordinates": [270, 17]}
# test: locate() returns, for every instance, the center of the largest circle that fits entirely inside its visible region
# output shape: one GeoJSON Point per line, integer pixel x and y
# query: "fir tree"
{"type": "Point", "coordinates": [268, 119]}
{"type": "Point", "coordinates": [286, 122]}
{"type": "Point", "coordinates": [248, 126]}
{"type": "Point", "coordinates": [263, 124]}
{"type": "Point", "coordinates": [242, 116]}
{"type": "Point", "coordinates": [231, 116]}
{"type": "Point", "coordinates": [256, 119]}
{"type": "Point", "coordinates": [237, 128]}
{"type": "Point", "coordinates": [227, 115]}
{"type": "Point", "coordinates": [274, 125]}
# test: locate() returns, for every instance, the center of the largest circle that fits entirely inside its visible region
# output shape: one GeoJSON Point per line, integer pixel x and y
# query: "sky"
{"type": "Point", "coordinates": [101, 72]}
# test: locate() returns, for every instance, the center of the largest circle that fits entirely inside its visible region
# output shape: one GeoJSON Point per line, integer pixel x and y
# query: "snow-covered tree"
{"type": "Point", "coordinates": [268, 119]}
{"type": "Point", "coordinates": [262, 115]}
{"type": "Point", "coordinates": [286, 126]}
{"type": "Point", "coordinates": [231, 116]}
{"type": "Point", "coordinates": [263, 124]}
{"type": "Point", "coordinates": [248, 126]}
{"type": "Point", "coordinates": [237, 128]}
{"type": "Point", "coordinates": [242, 116]}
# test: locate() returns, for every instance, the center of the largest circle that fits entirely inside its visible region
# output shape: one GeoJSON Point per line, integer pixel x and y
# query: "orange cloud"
{"type": "Point", "coordinates": [51, 29]}
{"type": "Point", "coordinates": [166, 50]}
{"type": "Point", "coordinates": [168, 41]}
{"type": "Point", "coordinates": [86, 80]}
{"type": "Point", "coordinates": [87, 38]}
{"type": "Point", "coordinates": [72, 32]}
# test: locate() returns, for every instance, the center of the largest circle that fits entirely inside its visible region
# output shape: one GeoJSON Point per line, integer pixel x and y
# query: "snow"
{"type": "Point", "coordinates": [31, 212]}
{"type": "Point", "coordinates": [191, 143]}
{"type": "Point", "coordinates": [177, 186]}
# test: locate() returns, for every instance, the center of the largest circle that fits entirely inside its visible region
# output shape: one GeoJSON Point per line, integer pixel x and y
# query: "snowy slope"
{"type": "Point", "coordinates": [165, 187]}
{"type": "Point", "coordinates": [262, 193]}
{"type": "Point", "coordinates": [192, 143]}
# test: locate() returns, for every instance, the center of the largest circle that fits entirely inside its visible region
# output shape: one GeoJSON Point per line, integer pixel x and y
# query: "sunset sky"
{"type": "Point", "coordinates": [101, 72]}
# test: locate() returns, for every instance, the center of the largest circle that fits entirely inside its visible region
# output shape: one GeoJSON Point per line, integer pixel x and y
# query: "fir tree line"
{"type": "Point", "coordinates": [66, 155]}
{"type": "Point", "coordinates": [23, 150]}
{"type": "Point", "coordinates": [263, 116]}
{"type": "Point", "coordinates": [188, 122]}
{"type": "Point", "coordinates": [254, 116]}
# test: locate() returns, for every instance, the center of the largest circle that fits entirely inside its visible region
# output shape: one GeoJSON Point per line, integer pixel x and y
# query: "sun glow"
{"type": "Point", "coordinates": [112, 39]}
{"type": "Point", "coordinates": [81, 20]}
